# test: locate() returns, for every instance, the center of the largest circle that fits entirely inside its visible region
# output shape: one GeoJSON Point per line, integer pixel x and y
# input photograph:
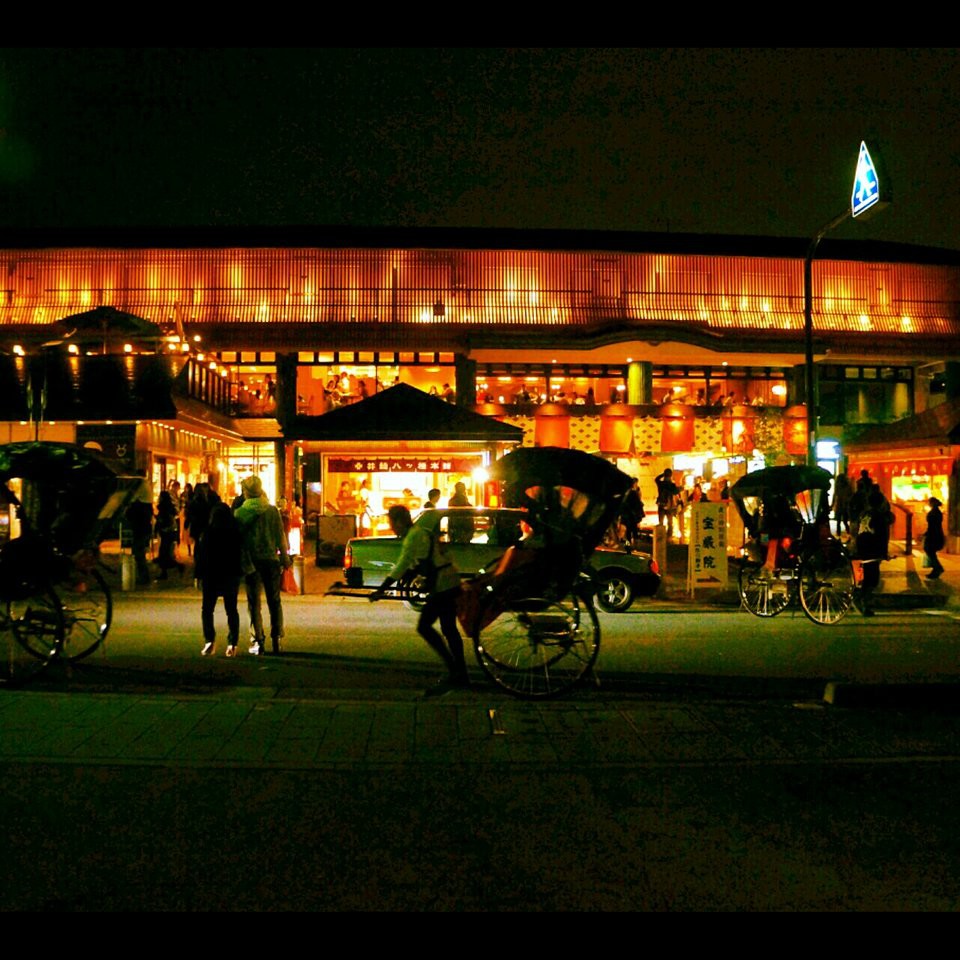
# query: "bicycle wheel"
{"type": "Point", "coordinates": [826, 585]}
{"type": "Point", "coordinates": [538, 648]}
{"type": "Point", "coordinates": [762, 593]}
{"type": "Point", "coordinates": [87, 612]}
{"type": "Point", "coordinates": [31, 634]}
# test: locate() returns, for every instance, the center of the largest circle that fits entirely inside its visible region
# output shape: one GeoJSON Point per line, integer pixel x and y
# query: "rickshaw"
{"type": "Point", "coordinates": [790, 556]}
{"type": "Point", "coordinates": [54, 601]}
{"type": "Point", "coordinates": [532, 618]}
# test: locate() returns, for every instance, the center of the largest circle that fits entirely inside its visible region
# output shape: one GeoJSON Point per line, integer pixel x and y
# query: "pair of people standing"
{"type": "Point", "coordinates": [246, 543]}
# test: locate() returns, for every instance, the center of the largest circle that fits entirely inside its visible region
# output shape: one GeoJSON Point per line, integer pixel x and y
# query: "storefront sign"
{"type": "Point", "coordinates": [707, 552]}
{"type": "Point", "coordinates": [117, 441]}
{"type": "Point", "coordinates": [402, 464]}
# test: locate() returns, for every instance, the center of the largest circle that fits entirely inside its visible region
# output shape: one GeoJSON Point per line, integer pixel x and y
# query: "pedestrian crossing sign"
{"type": "Point", "coordinates": [866, 186]}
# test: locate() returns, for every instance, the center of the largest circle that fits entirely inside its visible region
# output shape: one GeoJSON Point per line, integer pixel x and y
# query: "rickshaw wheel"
{"type": "Point", "coordinates": [826, 585]}
{"type": "Point", "coordinates": [31, 635]}
{"type": "Point", "coordinates": [760, 592]}
{"type": "Point", "coordinates": [87, 612]}
{"type": "Point", "coordinates": [538, 648]}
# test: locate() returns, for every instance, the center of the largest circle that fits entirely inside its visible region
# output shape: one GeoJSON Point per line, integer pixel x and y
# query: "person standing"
{"type": "Point", "coordinates": [139, 518]}
{"type": "Point", "coordinates": [197, 519]}
{"type": "Point", "coordinates": [219, 569]}
{"type": "Point", "coordinates": [421, 547]}
{"type": "Point", "coordinates": [168, 530]}
{"type": "Point", "coordinates": [668, 496]}
{"type": "Point", "coordinates": [370, 509]}
{"type": "Point", "coordinates": [433, 498]}
{"type": "Point", "coordinates": [265, 556]}
{"type": "Point", "coordinates": [873, 536]}
{"type": "Point", "coordinates": [460, 528]}
{"type": "Point", "coordinates": [185, 499]}
{"type": "Point", "coordinates": [933, 539]}
{"type": "Point", "coordinates": [631, 514]}
{"type": "Point", "coordinates": [174, 488]}
{"type": "Point", "coordinates": [842, 495]}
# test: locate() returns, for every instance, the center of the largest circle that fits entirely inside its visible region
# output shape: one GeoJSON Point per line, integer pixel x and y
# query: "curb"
{"type": "Point", "coordinates": [905, 696]}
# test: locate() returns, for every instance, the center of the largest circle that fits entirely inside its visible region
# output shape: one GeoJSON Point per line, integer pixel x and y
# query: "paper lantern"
{"type": "Point", "coordinates": [795, 430]}
{"type": "Point", "coordinates": [551, 426]}
{"type": "Point", "coordinates": [740, 428]}
{"type": "Point", "coordinates": [616, 429]}
{"type": "Point", "coordinates": [676, 428]}
{"type": "Point", "coordinates": [496, 410]}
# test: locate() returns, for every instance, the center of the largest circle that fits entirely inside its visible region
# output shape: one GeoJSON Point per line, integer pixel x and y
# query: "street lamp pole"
{"type": "Point", "coordinates": [810, 386]}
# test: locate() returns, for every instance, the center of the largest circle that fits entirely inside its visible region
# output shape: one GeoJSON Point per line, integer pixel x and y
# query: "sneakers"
{"type": "Point", "coordinates": [256, 649]}
{"type": "Point", "coordinates": [232, 650]}
{"type": "Point", "coordinates": [209, 649]}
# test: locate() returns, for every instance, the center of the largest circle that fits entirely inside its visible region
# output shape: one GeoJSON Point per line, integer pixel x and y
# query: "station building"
{"type": "Point", "coordinates": [411, 358]}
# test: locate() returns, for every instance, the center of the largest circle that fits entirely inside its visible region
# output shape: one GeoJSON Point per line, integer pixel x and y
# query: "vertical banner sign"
{"type": "Point", "coordinates": [707, 552]}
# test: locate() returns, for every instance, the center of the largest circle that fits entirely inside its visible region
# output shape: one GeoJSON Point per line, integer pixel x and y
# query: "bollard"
{"type": "Point", "coordinates": [299, 573]}
{"type": "Point", "coordinates": [660, 547]}
{"type": "Point", "coordinates": [128, 573]}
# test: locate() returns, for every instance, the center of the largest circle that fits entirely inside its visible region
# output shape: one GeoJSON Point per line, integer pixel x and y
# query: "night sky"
{"type": "Point", "coordinates": [751, 141]}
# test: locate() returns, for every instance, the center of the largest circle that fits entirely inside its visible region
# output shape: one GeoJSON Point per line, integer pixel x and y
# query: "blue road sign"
{"type": "Point", "coordinates": [866, 187]}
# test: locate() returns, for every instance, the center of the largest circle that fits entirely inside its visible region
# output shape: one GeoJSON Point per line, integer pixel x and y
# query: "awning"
{"type": "Point", "coordinates": [937, 426]}
{"type": "Point", "coordinates": [402, 413]}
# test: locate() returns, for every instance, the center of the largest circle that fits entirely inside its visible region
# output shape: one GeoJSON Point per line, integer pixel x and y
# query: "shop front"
{"type": "Point", "coordinates": [912, 460]}
{"type": "Point", "coordinates": [394, 448]}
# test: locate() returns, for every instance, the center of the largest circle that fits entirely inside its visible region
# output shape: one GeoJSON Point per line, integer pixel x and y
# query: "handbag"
{"type": "Point", "coordinates": [288, 582]}
{"type": "Point", "coordinates": [925, 562]}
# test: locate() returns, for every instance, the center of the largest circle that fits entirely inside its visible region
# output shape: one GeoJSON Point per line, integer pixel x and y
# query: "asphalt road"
{"type": "Point", "coordinates": [336, 644]}
{"type": "Point", "coordinates": [705, 773]}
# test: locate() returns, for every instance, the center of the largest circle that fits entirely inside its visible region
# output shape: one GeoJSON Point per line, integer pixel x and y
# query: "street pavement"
{"type": "Point", "coordinates": [255, 796]}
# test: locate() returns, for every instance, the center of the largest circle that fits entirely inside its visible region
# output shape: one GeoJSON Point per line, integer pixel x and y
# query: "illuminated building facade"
{"type": "Point", "coordinates": [655, 349]}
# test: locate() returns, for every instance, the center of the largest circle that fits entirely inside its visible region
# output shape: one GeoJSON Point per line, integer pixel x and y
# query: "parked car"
{"type": "Point", "coordinates": [476, 537]}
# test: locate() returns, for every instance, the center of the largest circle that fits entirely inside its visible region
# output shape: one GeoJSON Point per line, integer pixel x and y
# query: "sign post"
{"type": "Point", "coordinates": [866, 197]}
{"type": "Point", "coordinates": [707, 550]}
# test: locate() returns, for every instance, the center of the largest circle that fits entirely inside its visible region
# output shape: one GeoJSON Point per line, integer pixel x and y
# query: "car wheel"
{"type": "Point", "coordinates": [614, 592]}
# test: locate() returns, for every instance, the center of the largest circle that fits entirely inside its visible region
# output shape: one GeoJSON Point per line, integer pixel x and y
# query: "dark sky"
{"type": "Point", "coordinates": [749, 141]}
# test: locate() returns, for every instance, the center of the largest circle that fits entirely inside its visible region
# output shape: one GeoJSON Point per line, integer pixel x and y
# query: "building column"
{"type": "Point", "coordinates": [797, 385]}
{"type": "Point", "coordinates": [286, 387]}
{"type": "Point", "coordinates": [951, 379]}
{"type": "Point", "coordinates": [465, 371]}
{"type": "Point", "coordinates": [640, 382]}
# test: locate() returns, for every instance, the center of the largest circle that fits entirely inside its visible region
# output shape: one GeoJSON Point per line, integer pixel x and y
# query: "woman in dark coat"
{"type": "Point", "coordinates": [933, 539]}
{"type": "Point", "coordinates": [168, 530]}
{"type": "Point", "coordinates": [197, 518]}
{"type": "Point", "coordinates": [873, 537]}
{"type": "Point", "coordinates": [220, 569]}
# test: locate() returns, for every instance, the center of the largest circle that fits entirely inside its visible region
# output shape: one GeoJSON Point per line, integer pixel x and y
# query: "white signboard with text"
{"type": "Point", "coordinates": [707, 554]}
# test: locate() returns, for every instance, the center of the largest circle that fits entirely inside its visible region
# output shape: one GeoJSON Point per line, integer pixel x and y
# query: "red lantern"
{"type": "Point", "coordinates": [552, 426]}
{"type": "Point", "coordinates": [795, 430]}
{"type": "Point", "coordinates": [676, 428]}
{"type": "Point", "coordinates": [616, 429]}
{"type": "Point", "coordinates": [740, 429]}
{"type": "Point", "coordinates": [496, 410]}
